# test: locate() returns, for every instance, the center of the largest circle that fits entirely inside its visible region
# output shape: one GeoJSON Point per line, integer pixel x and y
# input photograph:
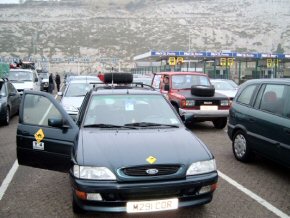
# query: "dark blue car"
{"type": "Point", "coordinates": [9, 101]}
{"type": "Point", "coordinates": [127, 152]}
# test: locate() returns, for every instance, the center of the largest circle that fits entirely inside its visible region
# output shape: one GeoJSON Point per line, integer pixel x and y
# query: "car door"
{"type": "Point", "coordinates": [46, 134]}
{"type": "Point", "coordinates": [14, 98]}
{"type": "Point", "coordinates": [284, 149]}
{"type": "Point", "coordinates": [269, 123]}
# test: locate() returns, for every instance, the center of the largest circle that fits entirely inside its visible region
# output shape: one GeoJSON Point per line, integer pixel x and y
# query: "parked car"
{"type": "Point", "coordinates": [24, 79]}
{"type": "Point", "coordinates": [74, 94]}
{"type": "Point", "coordinates": [193, 97]}
{"type": "Point", "coordinates": [259, 120]}
{"type": "Point", "coordinates": [44, 76]}
{"type": "Point", "coordinates": [128, 151]}
{"type": "Point", "coordinates": [9, 101]}
{"type": "Point", "coordinates": [225, 87]}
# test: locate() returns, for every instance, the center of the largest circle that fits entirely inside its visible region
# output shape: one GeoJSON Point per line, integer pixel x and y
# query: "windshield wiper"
{"type": "Point", "coordinates": [147, 124]}
{"type": "Point", "coordinates": [102, 125]}
{"type": "Point", "coordinates": [77, 95]}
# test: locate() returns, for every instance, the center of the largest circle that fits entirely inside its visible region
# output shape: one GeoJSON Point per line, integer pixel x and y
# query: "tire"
{"type": "Point", "coordinates": [203, 91]}
{"type": "Point", "coordinates": [6, 118]}
{"type": "Point", "coordinates": [220, 123]}
{"type": "Point", "coordinates": [118, 78]}
{"type": "Point", "coordinates": [241, 148]}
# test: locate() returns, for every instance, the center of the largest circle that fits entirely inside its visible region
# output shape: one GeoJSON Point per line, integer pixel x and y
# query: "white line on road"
{"type": "Point", "coordinates": [6, 182]}
{"type": "Point", "coordinates": [254, 196]}
{"type": "Point", "coordinates": [8, 179]}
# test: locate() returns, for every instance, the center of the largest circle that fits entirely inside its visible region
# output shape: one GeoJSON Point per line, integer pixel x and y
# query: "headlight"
{"type": "Point", "coordinates": [225, 103]}
{"type": "Point", "coordinates": [94, 173]}
{"type": "Point", "coordinates": [201, 167]}
{"type": "Point", "coordinates": [189, 103]}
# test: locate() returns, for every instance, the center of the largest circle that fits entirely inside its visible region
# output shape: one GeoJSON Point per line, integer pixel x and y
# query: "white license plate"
{"type": "Point", "coordinates": [208, 108]}
{"type": "Point", "coordinates": [151, 206]}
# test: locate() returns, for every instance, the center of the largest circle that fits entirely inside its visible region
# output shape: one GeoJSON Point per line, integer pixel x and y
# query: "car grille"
{"type": "Point", "coordinates": [207, 102]}
{"type": "Point", "coordinates": [156, 170]}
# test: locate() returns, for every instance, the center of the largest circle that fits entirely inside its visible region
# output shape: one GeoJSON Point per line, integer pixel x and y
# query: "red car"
{"type": "Point", "coordinates": [193, 97]}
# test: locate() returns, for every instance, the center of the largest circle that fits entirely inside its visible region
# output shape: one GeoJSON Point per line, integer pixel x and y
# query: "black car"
{"type": "Point", "coordinates": [9, 101]}
{"type": "Point", "coordinates": [259, 120]}
{"type": "Point", "coordinates": [128, 151]}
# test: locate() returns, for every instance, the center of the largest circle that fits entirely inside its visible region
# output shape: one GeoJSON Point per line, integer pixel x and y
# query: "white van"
{"type": "Point", "coordinates": [24, 79]}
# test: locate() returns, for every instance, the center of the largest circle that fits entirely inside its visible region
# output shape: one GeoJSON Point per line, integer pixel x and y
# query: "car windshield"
{"type": "Point", "coordinates": [221, 85]}
{"type": "Point", "coordinates": [77, 89]}
{"type": "Point", "coordinates": [144, 111]}
{"type": "Point", "coordinates": [43, 75]}
{"type": "Point", "coordinates": [186, 81]}
{"type": "Point", "coordinates": [20, 76]}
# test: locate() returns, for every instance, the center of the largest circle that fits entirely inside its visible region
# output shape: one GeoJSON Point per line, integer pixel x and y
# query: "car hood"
{"type": "Point", "coordinates": [116, 149]}
{"type": "Point", "coordinates": [72, 101]}
{"type": "Point", "coordinates": [23, 84]}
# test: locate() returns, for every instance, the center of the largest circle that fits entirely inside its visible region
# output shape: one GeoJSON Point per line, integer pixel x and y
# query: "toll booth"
{"type": "Point", "coordinates": [226, 64]}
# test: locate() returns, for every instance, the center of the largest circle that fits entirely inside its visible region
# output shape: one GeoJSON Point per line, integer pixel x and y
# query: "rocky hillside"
{"type": "Point", "coordinates": [125, 28]}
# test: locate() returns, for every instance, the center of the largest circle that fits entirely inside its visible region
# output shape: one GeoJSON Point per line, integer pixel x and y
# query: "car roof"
{"type": "Point", "coordinates": [276, 80]}
{"type": "Point", "coordinates": [28, 70]}
{"type": "Point", "coordinates": [128, 91]}
{"type": "Point", "coordinates": [181, 73]}
{"type": "Point", "coordinates": [84, 81]}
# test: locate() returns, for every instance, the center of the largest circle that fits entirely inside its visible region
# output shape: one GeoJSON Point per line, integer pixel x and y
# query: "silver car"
{"type": "Point", "coordinates": [225, 87]}
{"type": "Point", "coordinates": [74, 94]}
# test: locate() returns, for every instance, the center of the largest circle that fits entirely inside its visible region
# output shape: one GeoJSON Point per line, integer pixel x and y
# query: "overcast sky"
{"type": "Point", "coordinates": [8, 1]}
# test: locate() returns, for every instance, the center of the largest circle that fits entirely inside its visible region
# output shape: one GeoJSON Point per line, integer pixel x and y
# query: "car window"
{"type": "Point", "coordinates": [186, 81]}
{"type": "Point", "coordinates": [38, 109]}
{"type": "Point", "coordinates": [11, 88]}
{"type": "Point", "coordinates": [222, 85]}
{"type": "Point", "coordinates": [156, 81]}
{"type": "Point", "coordinates": [246, 95]}
{"type": "Point", "coordinates": [2, 89]}
{"type": "Point", "coordinates": [124, 109]}
{"type": "Point", "coordinates": [272, 100]}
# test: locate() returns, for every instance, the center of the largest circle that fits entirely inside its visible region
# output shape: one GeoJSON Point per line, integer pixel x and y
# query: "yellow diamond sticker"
{"type": "Point", "coordinates": [151, 160]}
{"type": "Point", "coordinates": [39, 135]}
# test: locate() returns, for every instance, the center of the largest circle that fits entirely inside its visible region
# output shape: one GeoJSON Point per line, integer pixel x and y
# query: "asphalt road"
{"type": "Point", "coordinates": [40, 193]}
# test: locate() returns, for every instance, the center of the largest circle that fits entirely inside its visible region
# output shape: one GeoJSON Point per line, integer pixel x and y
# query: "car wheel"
{"type": "Point", "coordinates": [203, 91]}
{"type": "Point", "coordinates": [241, 147]}
{"type": "Point", "coordinates": [6, 119]}
{"type": "Point", "coordinates": [220, 123]}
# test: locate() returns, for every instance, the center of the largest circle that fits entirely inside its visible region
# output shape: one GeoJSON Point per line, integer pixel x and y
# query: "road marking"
{"type": "Point", "coordinates": [251, 194]}
{"type": "Point", "coordinates": [8, 179]}
{"type": "Point", "coordinates": [6, 182]}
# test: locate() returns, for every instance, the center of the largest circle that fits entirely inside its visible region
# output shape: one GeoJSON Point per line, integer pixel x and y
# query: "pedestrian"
{"type": "Point", "coordinates": [50, 83]}
{"type": "Point", "coordinates": [57, 81]}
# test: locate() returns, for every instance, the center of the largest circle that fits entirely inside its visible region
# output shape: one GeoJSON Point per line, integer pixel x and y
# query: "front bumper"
{"type": "Point", "coordinates": [115, 195]}
{"type": "Point", "coordinates": [210, 114]}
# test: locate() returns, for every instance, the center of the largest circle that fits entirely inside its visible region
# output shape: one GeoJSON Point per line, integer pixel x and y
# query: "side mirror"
{"type": "Point", "coordinates": [36, 80]}
{"type": "Point", "coordinates": [59, 93]}
{"type": "Point", "coordinates": [166, 87]}
{"type": "Point", "coordinates": [57, 122]}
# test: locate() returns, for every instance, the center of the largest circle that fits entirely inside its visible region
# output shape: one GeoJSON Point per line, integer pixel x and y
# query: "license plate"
{"type": "Point", "coordinates": [208, 108]}
{"type": "Point", "coordinates": [151, 206]}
